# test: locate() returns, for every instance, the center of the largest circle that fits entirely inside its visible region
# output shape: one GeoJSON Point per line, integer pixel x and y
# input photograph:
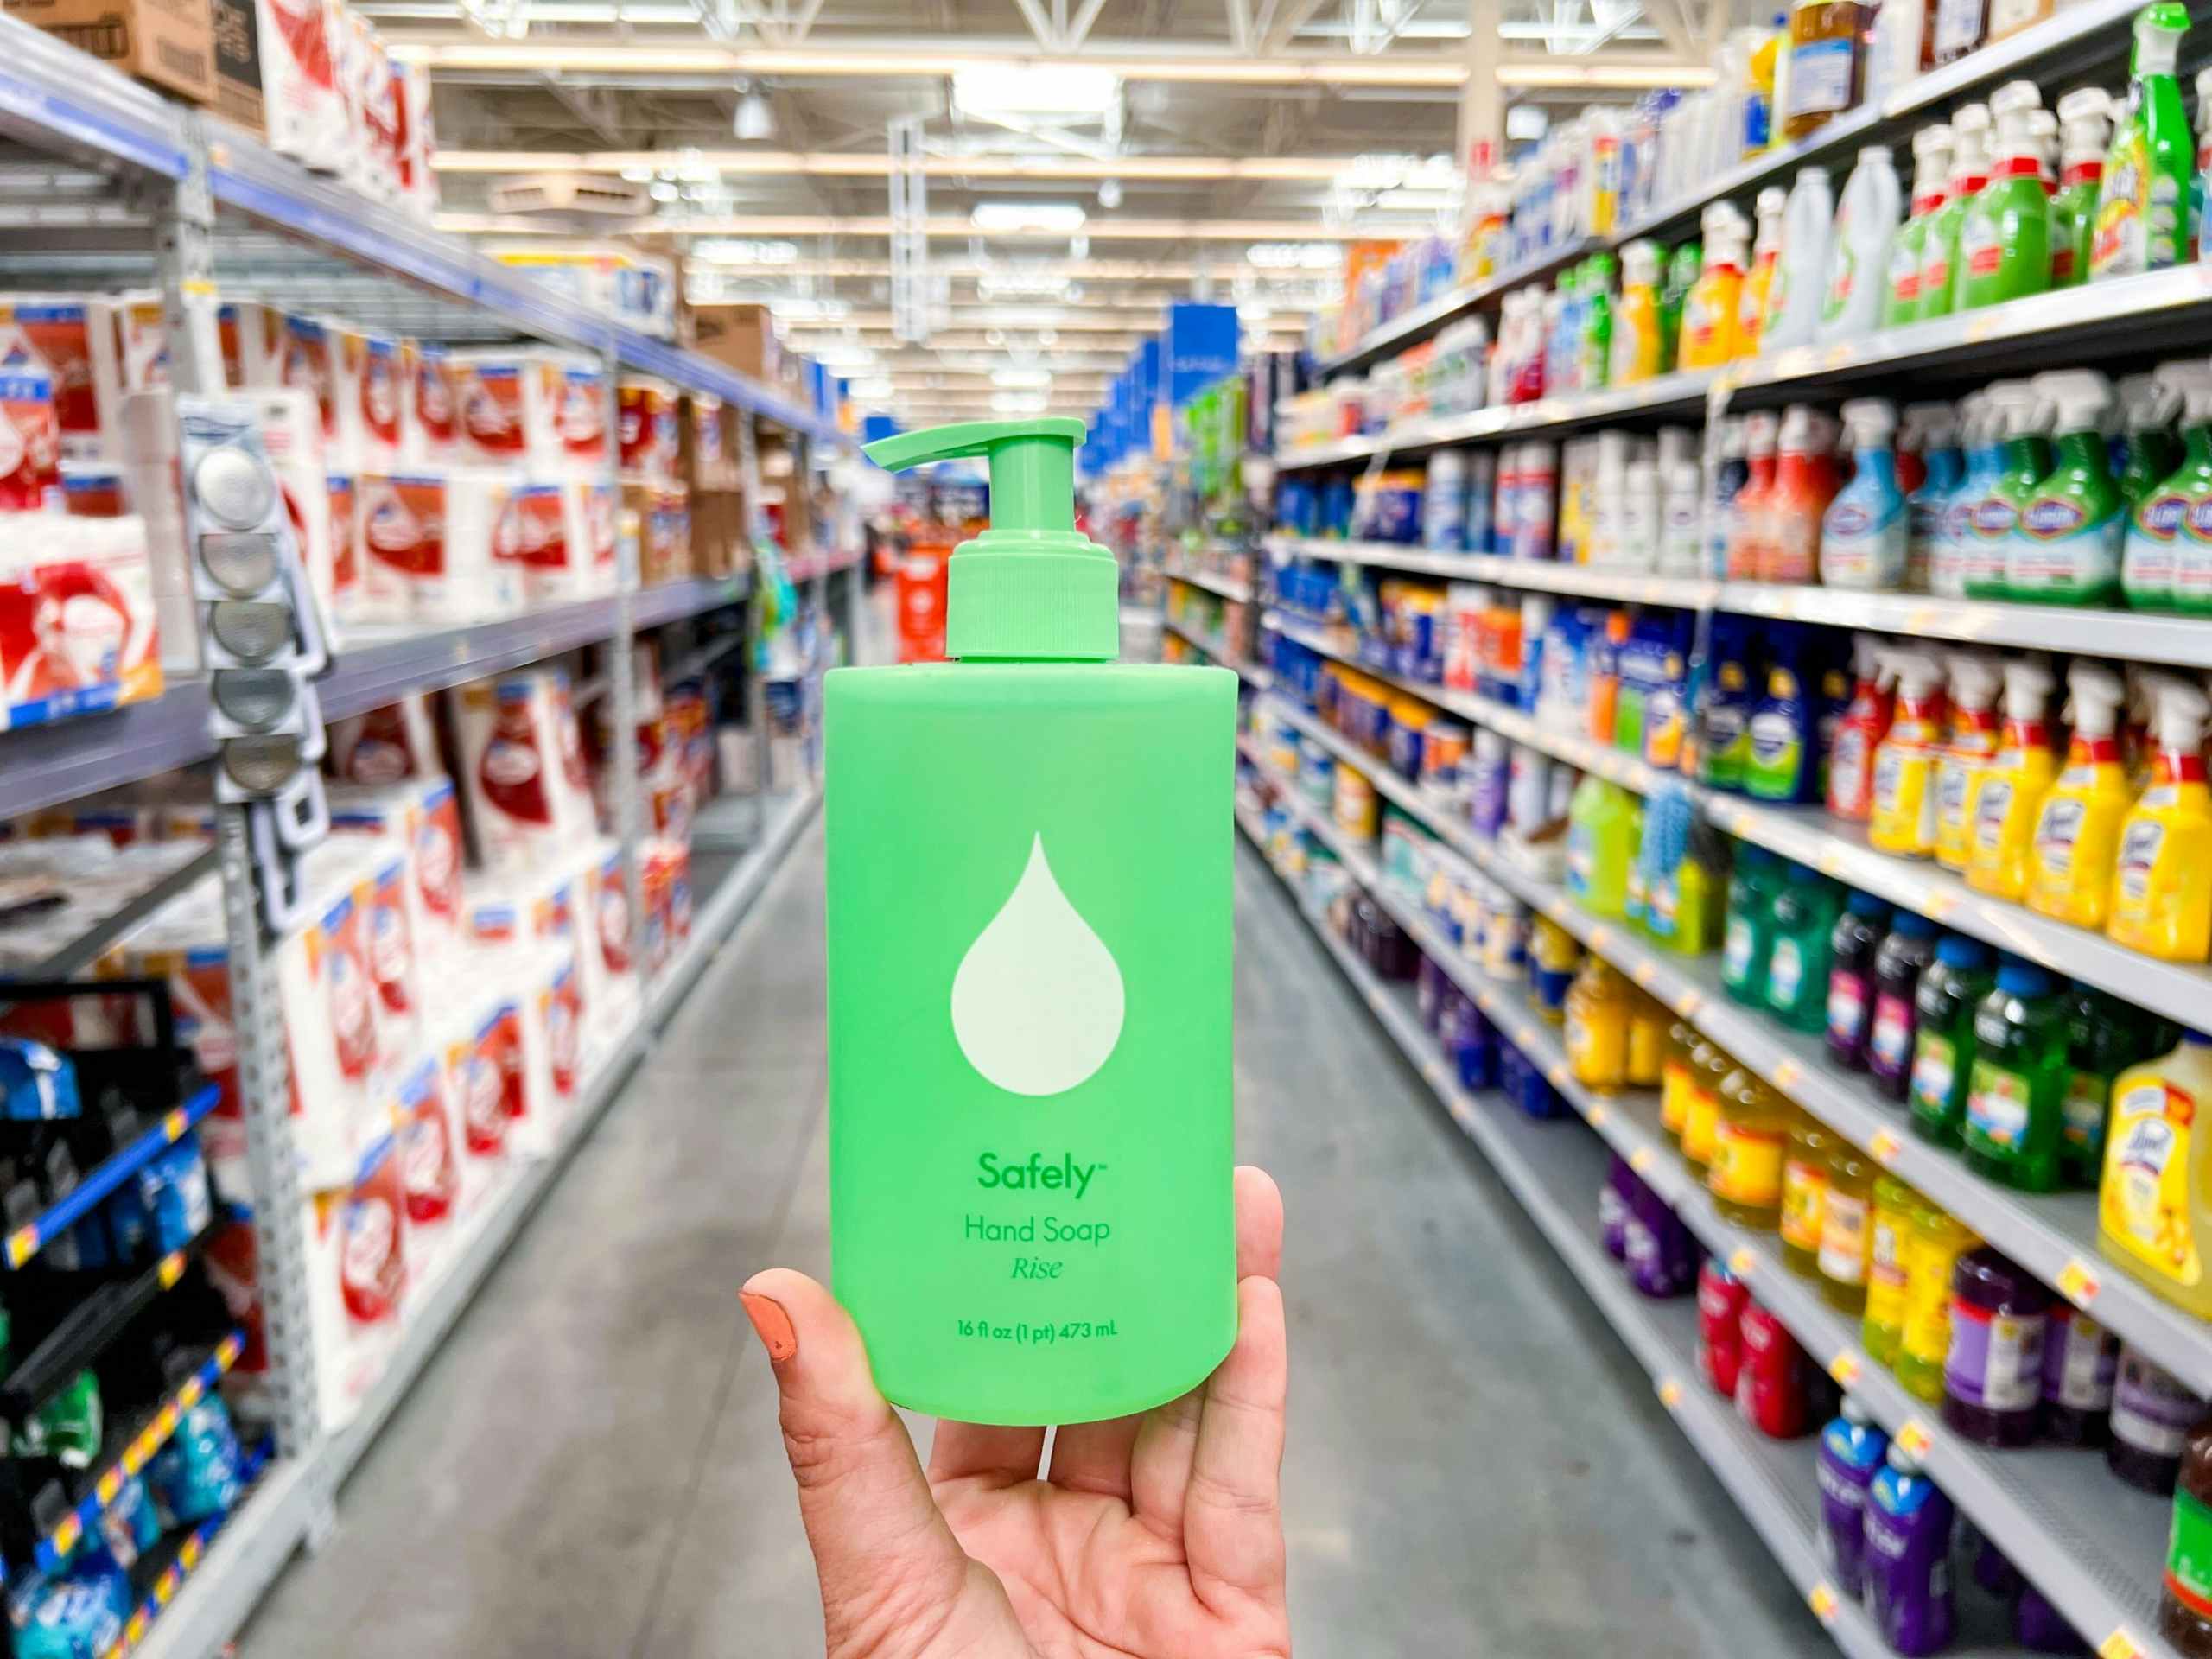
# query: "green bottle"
{"type": "Point", "coordinates": [1804, 909]}
{"type": "Point", "coordinates": [2085, 133]}
{"type": "Point", "coordinates": [1684, 266]}
{"type": "Point", "coordinates": [1597, 289]}
{"type": "Point", "coordinates": [2067, 542]}
{"type": "Point", "coordinates": [2104, 1037]}
{"type": "Point", "coordinates": [2149, 407]}
{"type": "Point", "coordinates": [1747, 938]}
{"type": "Point", "coordinates": [1029, 932]}
{"type": "Point", "coordinates": [1939, 259]}
{"type": "Point", "coordinates": [1942, 1045]}
{"type": "Point", "coordinates": [2150, 562]}
{"type": "Point", "coordinates": [2016, 1103]}
{"type": "Point", "coordinates": [2004, 235]}
{"type": "Point", "coordinates": [2023, 418]}
{"type": "Point", "coordinates": [1604, 823]}
{"type": "Point", "coordinates": [2143, 198]}
{"type": "Point", "coordinates": [1931, 178]}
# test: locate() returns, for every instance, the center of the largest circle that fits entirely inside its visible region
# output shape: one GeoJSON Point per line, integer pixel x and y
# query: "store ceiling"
{"type": "Point", "coordinates": [1194, 131]}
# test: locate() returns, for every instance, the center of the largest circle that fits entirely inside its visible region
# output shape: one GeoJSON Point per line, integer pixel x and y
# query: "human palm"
{"type": "Point", "coordinates": [1156, 1536]}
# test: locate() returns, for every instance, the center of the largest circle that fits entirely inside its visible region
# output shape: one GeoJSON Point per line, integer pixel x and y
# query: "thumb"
{"type": "Point", "coordinates": [883, 1553]}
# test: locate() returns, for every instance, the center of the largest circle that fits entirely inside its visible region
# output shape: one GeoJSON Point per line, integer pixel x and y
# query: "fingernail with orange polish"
{"type": "Point", "coordinates": [773, 1324]}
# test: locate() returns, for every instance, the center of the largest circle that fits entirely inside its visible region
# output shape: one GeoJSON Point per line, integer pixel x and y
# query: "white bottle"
{"type": "Point", "coordinates": [1893, 57]}
{"type": "Point", "coordinates": [1859, 253]}
{"type": "Point", "coordinates": [1682, 529]}
{"type": "Point", "coordinates": [1609, 478]}
{"type": "Point", "coordinates": [1537, 510]}
{"type": "Point", "coordinates": [1863, 532]}
{"type": "Point", "coordinates": [1793, 302]}
{"type": "Point", "coordinates": [1505, 501]}
{"type": "Point", "coordinates": [1637, 548]}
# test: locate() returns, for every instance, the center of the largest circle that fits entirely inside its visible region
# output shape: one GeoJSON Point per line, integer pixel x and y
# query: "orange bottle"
{"type": "Point", "coordinates": [1806, 478]}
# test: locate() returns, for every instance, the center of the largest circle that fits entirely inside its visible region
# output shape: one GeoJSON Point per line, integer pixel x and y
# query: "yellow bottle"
{"type": "Point", "coordinates": [1847, 1227]}
{"type": "Point", "coordinates": [1637, 337]}
{"type": "Point", "coordinates": [1965, 759]}
{"type": "Point", "coordinates": [1766, 254]}
{"type": "Point", "coordinates": [1677, 1080]}
{"type": "Point", "coordinates": [2009, 804]}
{"type": "Point", "coordinates": [1710, 1070]}
{"type": "Point", "coordinates": [2151, 1209]}
{"type": "Point", "coordinates": [1748, 1144]}
{"type": "Point", "coordinates": [1647, 1041]}
{"type": "Point", "coordinates": [1888, 1281]}
{"type": "Point", "coordinates": [1805, 1193]}
{"type": "Point", "coordinates": [1596, 1027]}
{"type": "Point", "coordinates": [1904, 816]}
{"type": "Point", "coordinates": [2161, 888]}
{"type": "Point", "coordinates": [1937, 1242]}
{"type": "Point", "coordinates": [1709, 310]}
{"type": "Point", "coordinates": [2077, 829]}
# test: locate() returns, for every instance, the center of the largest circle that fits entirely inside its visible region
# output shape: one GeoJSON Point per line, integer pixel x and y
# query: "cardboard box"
{"type": "Point", "coordinates": [718, 540]}
{"type": "Point", "coordinates": [238, 65]}
{"type": "Point", "coordinates": [167, 44]}
{"type": "Point", "coordinates": [740, 337]}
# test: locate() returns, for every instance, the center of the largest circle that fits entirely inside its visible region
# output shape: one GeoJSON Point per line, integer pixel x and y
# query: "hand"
{"type": "Point", "coordinates": [1157, 1536]}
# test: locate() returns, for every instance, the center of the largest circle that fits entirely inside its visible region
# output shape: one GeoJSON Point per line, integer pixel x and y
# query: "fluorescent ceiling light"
{"type": "Point", "coordinates": [1020, 402]}
{"type": "Point", "coordinates": [805, 308]}
{"type": "Point", "coordinates": [1295, 256]}
{"type": "Point", "coordinates": [755, 120]}
{"type": "Point", "coordinates": [1022, 380]}
{"type": "Point", "coordinates": [1052, 89]}
{"type": "Point", "coordinates": [1059, 218]}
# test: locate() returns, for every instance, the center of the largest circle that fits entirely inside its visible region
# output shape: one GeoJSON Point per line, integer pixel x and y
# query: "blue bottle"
{"type": "Point", "coordinates": [1908, 1559]}
{"type": "Point", "coordinates": [1864, 532]}
{"type": "Point", "coordinates": [1725, 701]}
{"type": "Point", "coordinates": [1851, 1451]}
{"type": "Point", "coordinates": [1779, 762]}
{"type": "Point", "coordinates": [1927, 508]}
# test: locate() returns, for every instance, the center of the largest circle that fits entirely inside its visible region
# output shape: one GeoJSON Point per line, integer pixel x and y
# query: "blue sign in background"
{"type": "Point", "coordinates": [1201, 347]}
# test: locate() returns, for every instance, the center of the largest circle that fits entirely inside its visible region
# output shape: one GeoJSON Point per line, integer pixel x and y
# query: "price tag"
{"type": "Point", "coordinates": [227, 1355]}
{"type": "Point", "coordinates": [1831, 862]}
{"type": "Point", "coordinates": [172, 1269]}
{"type": "Point", "coordinates": [1557, 1075]}
{"type": "Point", "coordinates": [2122, 1644]}
{"type": "Point", "coordinates": [1601, 938]}
{"type": "Point", "coordinates": [1689, 1003]}
{"type": "Point", "coordinates": [1942, 904]}
{"type": "Point", "coordinates": [1642, 1160]}
{"type": "Point", "coordinates": [174, 1124]}
{"type": "Point", "coordinates": [110, 1487]}
{"type": "Point", "coordinates": [66, 1535]}
{"type": "Point", "coordinates": [1844, 1369]}
{"type": "Point", "coordinates": [188, 1395]}
{"type": "Point", "coordinates": [1787, 1074]}
{"type": "Point", "coordinates": [1915, 1438]}
{"type": "Point", "coordinates": [22, 1244]}
{"type": "Point", "coordinates": [1670, 1393]}
{"type": "Point", "coordinates": [1885, 1146]}
{"type": "Point", "coordinates": [1646, 971]}
{"type": "Point", "coordinates": [1741, 1262]}
{"type": "Point", "coordinates": [2077, 1282]}
{"type": "Point", "coordinates": [1599, 1113]}
{"type": "Point", "coordinates": [1822, 1599]}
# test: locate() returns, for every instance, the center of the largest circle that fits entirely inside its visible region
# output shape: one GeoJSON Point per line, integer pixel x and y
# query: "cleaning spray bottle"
{"type": "Point", "coordinates": [2203, 163]}
{"type": "Point", "coordinates": [2085, 134]}
{"type": "Point", "coordinates": [1594, 342]}
{"type": "Point", "coordinates": [2162, 885]}
{"type": "Point", "coordinates": [1915, 419]}
{"type": "Point", "coordinates": [2149, 405]}
{"type": "Point", "coordinates": [2077, 827]}
{"type": "Point", "coordinates": [1793, 303]}
{"type": "Point", "coordinates": [1751, 522]}
{"type": "Point", "coordinates": [1709, 313]}
{"type": "Point", "coordinates": [1939, 262]}
{"type": "Point", "coordinates": [1684, 266]}
{"type": "Point", "coordinates": [2153, 553]}
{"type": "Point", "coordinates": [1636, 336]}
{"type": "Point", "coordinates": [1858, 737]}
{"type": "Point", "coordinates": [1931, 182]}
{"type": "Point", "coordinates": [1806, 479]}
{"type": "Point", "coordinates": [1974, 681]}
{"type": "Point", "coordinates": [2066, 540]}
{"type": "Point", "coordinates": [1863, 532]}
{"type": "Point", "coordinates": [1927, 505]}
{"type": "Point", "coordinates": [2143, 200]}
{"type": "Point", "coordinates": [1758, 282]}
{"type": "Point", "coordinates": [1859, 251]}
{"type": "Point", "coordinates": [2022, 420]}
{"type": "Point", "coordinates": [2014, 782]}
{"type": "Point", "coordinates": [1904, 815]}
{"type": "Point", "coordinates": [2155, 1201]}
{"type": "Point", "coordinates": [2004, 237]}
{"type": "Point", "coordinates": [1073, 959]}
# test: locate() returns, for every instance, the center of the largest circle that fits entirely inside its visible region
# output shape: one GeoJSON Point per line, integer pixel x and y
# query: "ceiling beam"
{"type": "Point", "coordinates": [820, 164]}
{"type": "Point", "coordinates": [1109, 229]}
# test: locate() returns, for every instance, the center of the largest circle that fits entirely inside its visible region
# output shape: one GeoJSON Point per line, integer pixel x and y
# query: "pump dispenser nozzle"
{"type": "Point", "coordinates": [1032, 587]}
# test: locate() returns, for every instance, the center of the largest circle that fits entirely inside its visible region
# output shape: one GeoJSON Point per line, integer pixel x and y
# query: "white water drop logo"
{"type": "Point", "coordinates": [1037, 1003]}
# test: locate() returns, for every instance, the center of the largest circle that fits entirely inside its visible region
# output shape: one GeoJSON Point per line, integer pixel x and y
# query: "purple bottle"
{"type": "Point", "coordinates": [1612, 1207]}
{"type": "Point", "coordinates": [1430, 986]}
{"type": "Point", "coordinates": [1851, 1451]}
{"type": "Point", "coordinates": [2152, 1415]}
{"type": "Point", "coordinates": [2037, 1627]}
{"type": "Point", "coordinates": [1663, 1256]}
{"type": "Point", "coordinates": [1992, 1378]}
{"type": "Point", "coordinates": [1852, 947]}
{"type": "Point", "coordinates": [2079, 1359]}
{"type": "Point", "coordinates": [1909, 1557]}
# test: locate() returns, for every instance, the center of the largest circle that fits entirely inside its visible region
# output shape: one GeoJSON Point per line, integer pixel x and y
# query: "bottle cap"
{"type": "Point", "coordinates": [1918, 673]}
{"type": "Point", "coordinates": [1859, 902]}
{"type": "Point", "coordinates": [1934, 140]}
{"type": "Point", "coordinates": [1956, 950]}
{"type": "Point", "coordinates": [1874, 156]}
{"type": "Point", "coordinates": [2018, 978]}
{"type": "Point", "coordinates": [2191, 381]}
{"type": "Point", "coordinates": [1761, 429]}
{"type": "Point", "coordinates": [1912, 925]}
{"type": "Point", "coordinates": [1872, 422]}
{"type": "Point", "coordinates": [2182, 710]}
{"type": "Point", "coordinates": [2203, 85]}
{"type": "Point", "coordinates": [1774, 201]}
{"type": "Point", "coordinates": [1929, 426]}
{"type": "Point", "coordinates": [1032, 587]}
{"type": "Point", "coordinates": [2158, 30]}
{"type": "Point", "coordinates": [1639, 265]}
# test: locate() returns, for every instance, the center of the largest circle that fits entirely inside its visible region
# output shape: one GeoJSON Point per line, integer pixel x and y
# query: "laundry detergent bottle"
{"type": "Point", "coordinates": [2162, 888]}
{"type": "Point", "coordinates": [1759, 282]}
{"type": "Point", "coordinates": [1939, 259]}
{"type": "Point", "coordinates": [1859, 252]}
{"type": "Point", "coordinates": [1029, 941]}
{"type": "Point", "coordinates": [2010, 803]}
{"type": "Point", "coordinates": [2077, 826]}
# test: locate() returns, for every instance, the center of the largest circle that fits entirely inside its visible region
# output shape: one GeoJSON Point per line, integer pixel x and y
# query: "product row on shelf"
{"type": "Point", "coordinates": [2115, 169]}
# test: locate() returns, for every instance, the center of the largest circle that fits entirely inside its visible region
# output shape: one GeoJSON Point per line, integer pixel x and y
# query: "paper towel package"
{"type": "Point", "coordinates": [331, 1016]}
{"type": "Point", "coordinates": [552, 1051]}
{"type": "Point", "coordinates": [429, 1137]}
{"type": "Point", "coordinates": [310, 366]}
{"type": "Point", "coordinates": [368, 390]}
{"type": "Point", "coordinates": [421, 814]}
{"type": "Point", "coordinates": [389, 931]}
{"type": "Point", "coordinates": [252, 337]}
{"type": "Point", "coordinates": [648, 432]}
{"type": "Point", "coordinates": [386, 745]}
{"type": "Point", "coordinates": [542, 538]}
{"type": "Point", "coordinates": [365, 76]}
{"type": "Point", "coordinates": [481, 1055]}
{"type": "Point", "coordinates": [304, 106]}
{"type": "Point", "coordinates": [581, 423]}
{"type": "Point", "coordinates": [79, 628]}
{"type": "Point", "coordinates": [509, 405]}
{"type": "Point", "coordinates": [142, 332]}
{"type": "Point", "coordinates": [343, 489]}
{"type": "Point", "coordinates": [434, 411]}
{"type": "Point", "coordinates": [356, 1268]}
{"type": "Point", "coordinates": [521, 770]}
{"type": "Point", "coordinates": [427, 546]}
{"type": "Point", "coordinates": [74, 340]}
{"type": "Point", "coordinates": [291, 432]}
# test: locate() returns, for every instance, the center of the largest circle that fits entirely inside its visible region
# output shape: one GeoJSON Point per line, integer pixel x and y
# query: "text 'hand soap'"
{"type": "Point", "coordinates": [1029, 923]}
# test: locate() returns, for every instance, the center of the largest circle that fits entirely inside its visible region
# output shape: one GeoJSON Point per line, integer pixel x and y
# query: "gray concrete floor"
{"type": "Point", "coordinates": [592, 1467]}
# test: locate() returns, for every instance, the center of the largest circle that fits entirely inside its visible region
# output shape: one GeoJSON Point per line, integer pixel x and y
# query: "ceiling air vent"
{"type": "Point", "coordinates": [597, 195]}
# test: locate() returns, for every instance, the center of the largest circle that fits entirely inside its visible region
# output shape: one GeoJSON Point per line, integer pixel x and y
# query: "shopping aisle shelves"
{"type": "Point", "coordinates": [2096, 1555]}
{"type": "Point", "coordinates": [1250, 673]}
{"type": "Point", "coordinates": [1229, 588]}
{"type": "Point", "coordinates": [1682, 395]}
{"type": "Point", "coordinates": [1555, 1173]}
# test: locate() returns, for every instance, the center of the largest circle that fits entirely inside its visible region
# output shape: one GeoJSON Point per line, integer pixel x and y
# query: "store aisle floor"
{"type": "Point", "coordinates": [592, 1467]}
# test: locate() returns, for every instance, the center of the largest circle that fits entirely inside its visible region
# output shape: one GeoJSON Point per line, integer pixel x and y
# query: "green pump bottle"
{"type": "Point", "coordinates": [1029, 951]}
{"type": "Point", "coordinates": [2143, 198]}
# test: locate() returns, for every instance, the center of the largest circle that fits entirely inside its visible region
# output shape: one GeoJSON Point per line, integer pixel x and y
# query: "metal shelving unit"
{"type": "Point", "coordinates": [1555, 1172]}
{"type": "Point", "coordinates": [1251, 673]}
{"type": "Point", "coordinates": [2096, 1554]}
{"type": "Point", "coordinates": [194, 209]}
{"type": "Point", "coordinates": [1236, 592]}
